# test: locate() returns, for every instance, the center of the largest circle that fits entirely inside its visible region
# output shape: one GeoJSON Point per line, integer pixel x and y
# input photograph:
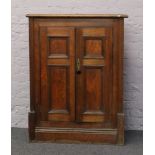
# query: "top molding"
{"type": "Point", "coordinates": [78, 15]}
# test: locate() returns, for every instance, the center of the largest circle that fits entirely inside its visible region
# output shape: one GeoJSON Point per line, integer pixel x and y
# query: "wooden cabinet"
{"type": "Point", "coordinates": [76, 78]}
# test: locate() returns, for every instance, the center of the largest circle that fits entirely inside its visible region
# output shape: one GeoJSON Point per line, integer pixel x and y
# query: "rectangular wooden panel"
{"type": "Point", "coordinates": [93, 90]}
{"type": "Point", "coordinates": [94, 49]}
{"type": "Point", "coordinates": [58, 45]}
{"type": "Point", "coordinates": [58, 80]}
{"type": "Point", "coordinates": [57, 74]}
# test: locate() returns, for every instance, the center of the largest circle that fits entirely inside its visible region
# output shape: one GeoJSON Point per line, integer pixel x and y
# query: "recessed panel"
{"type": "Point", "coordinates": [93, 47]}
{"type": "Point", "coordinates": [93, 81]}
{"type": "Point", "coordinates": [58, 88]}
{"type": "Point", "coordinates": [94, 91]}
{"type": "Point", "coordinates": [58, 45]}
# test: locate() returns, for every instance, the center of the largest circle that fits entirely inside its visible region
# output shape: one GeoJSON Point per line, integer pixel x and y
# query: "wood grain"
{"type": "Point", "coordinates": [77, 135]}
{"type": "Point", "coordinates": [94, 80]}
{"type": "Point", "coordinates": [71, 106]}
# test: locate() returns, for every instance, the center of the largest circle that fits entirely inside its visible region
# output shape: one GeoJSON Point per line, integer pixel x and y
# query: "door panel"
{"type": "Point", "coordinates": [57, 74]}
{"type": "Point", "coordinates": [93, 89]}
{"type": "Point", "coordinates": [94, 81]}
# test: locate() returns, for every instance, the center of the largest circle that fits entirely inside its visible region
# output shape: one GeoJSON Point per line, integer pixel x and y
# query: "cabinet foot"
{"type": "Point", "coordinates": [120, 127]}
{"type": "Point", "coordinates": [31, 124]}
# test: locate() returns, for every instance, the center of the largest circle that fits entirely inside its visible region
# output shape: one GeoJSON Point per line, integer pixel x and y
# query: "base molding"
{"type": "Point", "coordinates": [76, 130]}
{"type": "Point", "coordinates": [77, 134]}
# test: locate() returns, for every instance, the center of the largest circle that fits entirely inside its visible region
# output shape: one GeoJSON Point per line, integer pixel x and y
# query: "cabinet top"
{"type": "Point", "coordinates": [78, 15]}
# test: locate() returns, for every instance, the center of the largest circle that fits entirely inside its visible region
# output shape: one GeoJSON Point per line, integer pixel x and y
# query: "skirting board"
{"type": "Point", "coordinates": [77, 135]}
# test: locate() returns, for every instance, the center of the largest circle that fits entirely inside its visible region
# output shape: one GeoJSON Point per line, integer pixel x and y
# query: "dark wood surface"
{"type": "Point", "coordinates": [57, 73]}
{"type": "Point", "coordinates": [76, 78]}
{"type": "Point", "coordinates": [94, 49]}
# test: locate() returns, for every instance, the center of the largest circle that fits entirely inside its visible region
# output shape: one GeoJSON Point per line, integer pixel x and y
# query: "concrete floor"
{"type": "Point", "coordinates": [21, 146]}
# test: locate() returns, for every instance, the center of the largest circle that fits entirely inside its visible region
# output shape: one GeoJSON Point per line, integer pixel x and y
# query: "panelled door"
{"type": "Point", "coordinates": [94, 80]}
{"type": "Point", "coordinates": [57, 48]}
{"type": "Point", "coordinates": [76, 74]}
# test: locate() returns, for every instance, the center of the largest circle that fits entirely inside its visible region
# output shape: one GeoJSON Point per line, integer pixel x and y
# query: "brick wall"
{"type": "Point", "coordinates": [132, 58]}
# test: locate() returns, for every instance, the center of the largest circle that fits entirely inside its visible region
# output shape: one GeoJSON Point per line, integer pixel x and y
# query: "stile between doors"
{"type": "Point", "coordinates": [76, 74]}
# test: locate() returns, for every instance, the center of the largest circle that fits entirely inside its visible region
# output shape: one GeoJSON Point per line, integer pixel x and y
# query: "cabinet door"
{"type": "Point", "coordinates": [57, 49]}
{"type": "Point", "coordinates": [94, 81]}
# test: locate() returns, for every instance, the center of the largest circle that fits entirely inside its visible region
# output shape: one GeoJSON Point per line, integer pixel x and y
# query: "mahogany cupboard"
{"type": "Point", "coordinates": [76, 64]}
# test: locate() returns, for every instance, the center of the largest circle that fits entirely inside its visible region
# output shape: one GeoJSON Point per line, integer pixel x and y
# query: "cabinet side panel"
{"type": "Point", "coordinates": [118, 78]}
{"type": "Point", "coordinates": [31, 115]}
{"type": "Point", "coordinates": [36, 73]}
{"type": "Point", "coordinates": [31, 63]}
{"type": "Point", "coordinates": [118, 40]}
{"type": "Point", "coordinates": [121, 54]}
{"type": "Point", "coordinates": [120, 117]}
